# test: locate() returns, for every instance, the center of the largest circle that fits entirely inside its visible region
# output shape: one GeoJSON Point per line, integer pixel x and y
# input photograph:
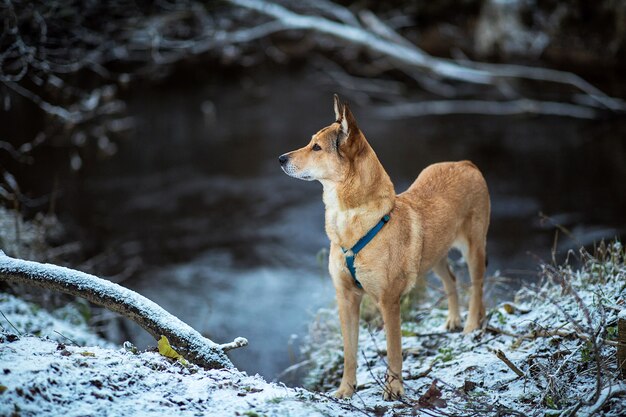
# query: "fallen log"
{"type": "Point", "coordinates": [147, 314]}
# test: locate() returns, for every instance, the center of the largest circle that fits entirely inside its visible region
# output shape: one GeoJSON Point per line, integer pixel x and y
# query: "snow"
{"type": "Point", "coordinates": [50, 377]}
{"type": "Point", "coordinates": [42, 379]}
{"type": "Point", "coordinates": [62, 325]}
{"type": "Point", "coordinates": [558, 370]}
{"type": "Point", "coordinates": [47, 376]}
{"type": "Point", "coordinates": [604, 395]}
{"type": "Point", "coordinates": [112, 293]}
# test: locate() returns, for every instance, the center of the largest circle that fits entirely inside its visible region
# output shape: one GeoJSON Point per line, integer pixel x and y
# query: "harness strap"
{"type": "Point", "coordinates": [360, 245]}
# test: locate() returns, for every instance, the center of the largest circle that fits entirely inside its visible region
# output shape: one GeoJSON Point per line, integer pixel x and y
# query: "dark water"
{"type": "Point", "coordinates": [228, 243]}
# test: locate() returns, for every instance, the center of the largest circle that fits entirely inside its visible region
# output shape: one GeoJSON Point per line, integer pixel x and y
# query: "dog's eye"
{"type": "Point", "coordinates": [317, 147]}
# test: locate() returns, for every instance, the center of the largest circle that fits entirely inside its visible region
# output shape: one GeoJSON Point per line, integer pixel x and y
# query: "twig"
{"type": "Point", "coordinates": [15, 154]}
{"type": "Point", "coordinates": [548, 333]}
{"type": "Point", "coordinates": [237, 343]}
{"type": "Point", "coordinates": [443, 334]}
{"type": "Point", "coordinates": [500, 355]}
{"type": "Point", "coordinates": [343, 403]}
{"type": "Point", "coordinates": [292, 368]}
{"type": "Point", "coordinates": [382, 29]}
{"type": "Point", "coordinates": [65, 337]}
{"type": "Point", "coordinates": [336, 10]}
{"type": "Point", "coordinates": [11, 324]}
{"type": "Point", "coordinates": [421, 374]}
{"type": "Point", "coordinates": [66, 115]}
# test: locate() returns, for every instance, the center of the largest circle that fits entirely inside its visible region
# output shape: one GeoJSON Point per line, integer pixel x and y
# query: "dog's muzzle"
{"type": "Point", "coordinates": [291, 170]}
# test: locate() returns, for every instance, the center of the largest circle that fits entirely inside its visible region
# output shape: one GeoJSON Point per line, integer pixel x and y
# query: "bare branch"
{"type": "Point", "coordinates": [383, 40]}
{"type": "Point", "coordinates": [484, 107]}
{"type": "Point", "coordinates": [150, 316]}
{"type": "Point", "coordinates": [66, 115]}
{"type": "Point", "coordinates": [547, 74]}
{"type": "Point", "coordinates": [336, 10]}
{"type": "Point", "coordinates": [358, 36]}
{"type": "Point", "coordinates": [382, 29]}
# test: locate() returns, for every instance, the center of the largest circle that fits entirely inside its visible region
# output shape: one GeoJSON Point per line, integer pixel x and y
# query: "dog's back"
{"type": "Point", "coordinates": [453, 205]}
{"type": "Point", "coordinates": [449, 182]}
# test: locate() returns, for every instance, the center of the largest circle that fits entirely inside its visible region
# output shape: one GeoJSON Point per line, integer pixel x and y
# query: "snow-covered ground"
{"type": "Point", "coordinates": [47, 375]}
{"type": "Point", "coordinates": [545, 332]}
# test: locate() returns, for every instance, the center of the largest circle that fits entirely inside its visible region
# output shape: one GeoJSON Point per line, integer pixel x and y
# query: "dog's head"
{"type": "Point", "coordinates": [328, 155]}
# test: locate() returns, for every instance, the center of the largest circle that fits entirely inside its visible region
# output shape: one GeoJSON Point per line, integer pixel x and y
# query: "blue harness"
{"type": "Point", "coordinates": [360, 245]}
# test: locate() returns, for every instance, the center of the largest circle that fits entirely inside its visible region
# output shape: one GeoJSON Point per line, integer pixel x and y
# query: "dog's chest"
{"type": "Point", "coordinates": [336, 219]}
{"type": "Point", "coordinates": [340, 226]}
{"type": "Point", "coordinates": [346, 227]}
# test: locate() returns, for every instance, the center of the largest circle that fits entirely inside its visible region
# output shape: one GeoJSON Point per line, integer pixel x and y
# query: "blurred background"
{"type": "Point", "coordinates": [139, 141]}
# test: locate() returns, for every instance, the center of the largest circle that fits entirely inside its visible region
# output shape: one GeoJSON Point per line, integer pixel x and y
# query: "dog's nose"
{"type": "Point", "coordinates": [283, 159]}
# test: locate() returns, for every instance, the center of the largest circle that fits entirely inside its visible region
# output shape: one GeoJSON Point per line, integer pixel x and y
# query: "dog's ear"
{"type": "Point", "coordinates": [347, 122]}
{"type": "Point", "coordinates": [348, 141]}
{"type": "Point", "coordinates": [337, 107]}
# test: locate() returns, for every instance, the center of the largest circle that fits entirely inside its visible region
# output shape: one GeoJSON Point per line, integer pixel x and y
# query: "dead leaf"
{"type": "Point", "coordinates": [166, 350]}
{"type": "Point", "coordinates": [509, 308]}
{"type": "Point", "coordinates": [432, 397]}
{"type": "Point", "coordinates": [469, 386]}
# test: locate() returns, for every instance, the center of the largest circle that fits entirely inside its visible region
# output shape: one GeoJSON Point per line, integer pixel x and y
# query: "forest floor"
{"type": "Point", "coordinates": [559, 338]}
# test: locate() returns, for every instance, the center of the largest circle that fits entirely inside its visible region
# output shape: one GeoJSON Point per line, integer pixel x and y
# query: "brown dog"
{"type": "Point", "coordinates": [447, 206]}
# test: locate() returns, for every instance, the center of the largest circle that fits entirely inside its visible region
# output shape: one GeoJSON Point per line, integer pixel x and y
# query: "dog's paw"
{"type": "Point", "coordinates": [393, 390]}
{"type": "Point", "coordinates": [470, 326]}
{"type": "Point", "coordinates": [345, 391]}
{"type": "Point", "coordinates": [453, 323]}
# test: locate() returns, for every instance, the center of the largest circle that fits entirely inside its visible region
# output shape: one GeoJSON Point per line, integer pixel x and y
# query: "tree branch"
{"type": "Point", "coordinates": [380, 39]}
{"type": "Point", "coordinates": [147, 314]}
{"type": "Point", "coordinates": [358, 36]}
{"type": "Point", "coordinates": [485, 107]}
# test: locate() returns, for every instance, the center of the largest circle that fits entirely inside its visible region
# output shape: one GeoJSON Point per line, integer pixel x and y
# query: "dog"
{"type": "Point", "coordinates": [405, 235]}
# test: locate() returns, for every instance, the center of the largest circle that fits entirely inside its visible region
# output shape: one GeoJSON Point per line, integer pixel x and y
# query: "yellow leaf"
{"type": "Point", "coordinates": [166, 350]}
{"type": "Point", "coordinates": [85, 353]}
{"type": "Point", "coordinates": [509, 308]}
{"type": "Point", "coordinates": [2, 389]}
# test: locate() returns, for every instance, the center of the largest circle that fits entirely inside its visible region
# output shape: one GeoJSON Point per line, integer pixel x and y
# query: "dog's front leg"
{"type": "Point", "coordinates": [390, 309]}
{"type": "Point", "coordinates": [349, 302]}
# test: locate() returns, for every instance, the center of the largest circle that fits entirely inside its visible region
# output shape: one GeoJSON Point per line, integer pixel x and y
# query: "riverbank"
{"type": "Point", "coordinates": [558, 339]}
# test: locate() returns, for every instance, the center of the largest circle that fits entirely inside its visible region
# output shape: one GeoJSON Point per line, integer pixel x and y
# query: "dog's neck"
{"type": "Point", "coordinates": [355, 204]}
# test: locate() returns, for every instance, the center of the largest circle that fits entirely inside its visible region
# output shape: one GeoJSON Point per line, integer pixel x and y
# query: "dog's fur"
{"type": "Point", "coordinates": [447, 206]}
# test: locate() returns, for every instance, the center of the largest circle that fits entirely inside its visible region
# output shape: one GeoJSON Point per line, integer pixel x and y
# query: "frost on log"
{"type": "Point", "coordinates": [150, 316]}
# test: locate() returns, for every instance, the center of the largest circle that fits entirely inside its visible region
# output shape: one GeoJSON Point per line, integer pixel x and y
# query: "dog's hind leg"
{"type": "Point", "coordinates": [475, 256]}
{"type": "Point", "coordinates": [442, 269]}
{"type": "Point", "coordinates": [349, 303]}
